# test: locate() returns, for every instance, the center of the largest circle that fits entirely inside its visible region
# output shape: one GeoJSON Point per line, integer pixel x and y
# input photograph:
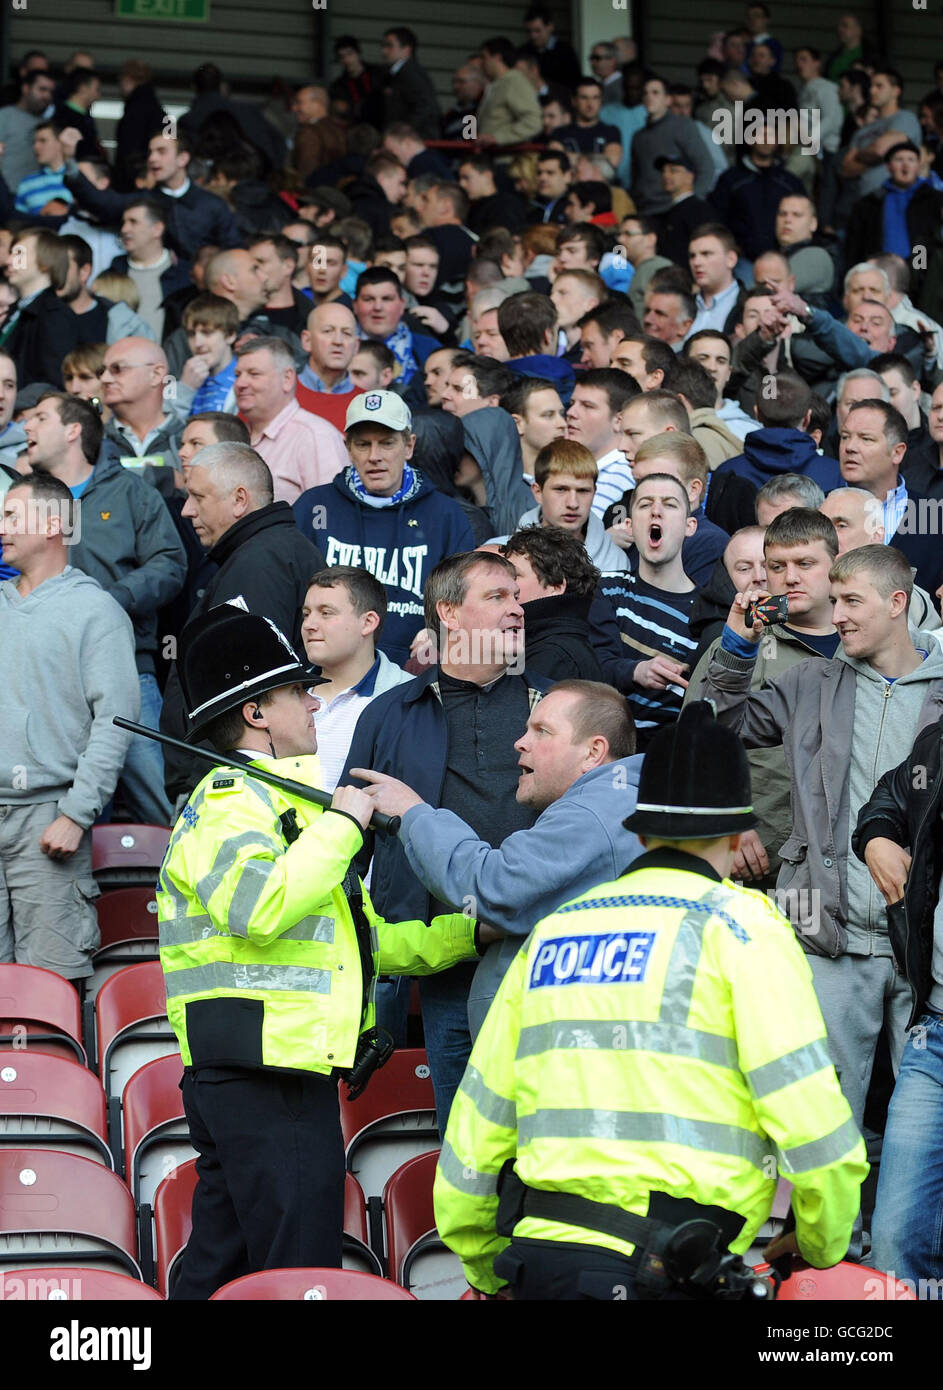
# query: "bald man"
{"type": "Point", "coordinates": [319, 139]}
{"type": "Point", "coordinates": [144, 428]}
{"type": "Point", "coordinates": [234, 275]}
{"type": "Point", "coordinates": [325, 386]}
{"type": "Point", "coordinates": [858, 518]}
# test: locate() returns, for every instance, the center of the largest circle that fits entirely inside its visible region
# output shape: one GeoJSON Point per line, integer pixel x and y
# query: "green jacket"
{"type": "Point", "coordinates": [258, 941]}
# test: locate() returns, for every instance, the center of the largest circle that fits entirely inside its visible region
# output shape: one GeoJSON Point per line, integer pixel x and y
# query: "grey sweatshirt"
{"type": "Point", "coordinates": [69, 668]}
{"type": "Point", "coordinates": [603, 552]}
{"type": "Point", "coordinates": [887, 720]}
{"type": "Point", "coordinates": [576, 842]}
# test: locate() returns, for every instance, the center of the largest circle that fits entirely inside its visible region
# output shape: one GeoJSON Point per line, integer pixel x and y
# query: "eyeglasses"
{"type": "Point", "coordinates": [118, 368]}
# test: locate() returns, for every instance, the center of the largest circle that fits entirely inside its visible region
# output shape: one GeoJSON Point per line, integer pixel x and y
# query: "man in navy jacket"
{"type": "Point", "coordinates": [783, 445]}
{"type": "Point", "coordinates": [450, 734]}
{"type": "Point", "coordinates": [194, 218]}
{"type": "Point", "coordinates": [384, 516]}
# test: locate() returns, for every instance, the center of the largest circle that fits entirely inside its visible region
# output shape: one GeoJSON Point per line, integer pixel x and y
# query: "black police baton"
{"type": "Point", "coordinates": [386, 825]}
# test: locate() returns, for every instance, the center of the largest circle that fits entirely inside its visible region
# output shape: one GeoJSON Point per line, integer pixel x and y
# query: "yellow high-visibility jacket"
{"type": "Point", "coordinates": [659, 1033]}
{"type": "Point", "coordinates": [257, 940]}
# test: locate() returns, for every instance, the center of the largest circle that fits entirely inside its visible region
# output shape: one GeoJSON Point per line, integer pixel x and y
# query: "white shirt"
{"type": "Point", "coordinates": [614, 478]}
{"type": "Point", "coordinates": [175, 192]}
{"type": "Point", "coordinates": [335, 723]}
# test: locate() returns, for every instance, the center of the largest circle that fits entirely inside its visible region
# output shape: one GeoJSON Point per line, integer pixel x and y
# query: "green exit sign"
{"type": "Point", "coordinates": [195, 11]}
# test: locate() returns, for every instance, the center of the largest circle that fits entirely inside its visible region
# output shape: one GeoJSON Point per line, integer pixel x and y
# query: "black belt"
{"type": "Point", "coordinates": [517, 1201]}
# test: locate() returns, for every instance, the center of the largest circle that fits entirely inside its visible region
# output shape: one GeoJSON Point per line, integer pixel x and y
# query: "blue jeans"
{"type": "Point", "coordinates": [907, 1230]}
{"type": "Point", "coordinates": [392, 1006]}
{"type": "Point", "coordinates": [445, 1024]}
{"type": "Point", "coordinates": [142, 777]}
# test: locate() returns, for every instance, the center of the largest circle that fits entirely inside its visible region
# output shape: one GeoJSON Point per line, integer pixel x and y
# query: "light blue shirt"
{"type": "Point", "coordinates": [895, 509]}
{"type": "Point", "coordinates": [716, 316]}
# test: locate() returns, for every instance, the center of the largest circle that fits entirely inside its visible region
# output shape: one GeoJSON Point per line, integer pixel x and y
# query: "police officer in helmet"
{"type": "Point", "coordinates": [269, 947]}
{"type": "Point", "coordinates": [653, 1060]}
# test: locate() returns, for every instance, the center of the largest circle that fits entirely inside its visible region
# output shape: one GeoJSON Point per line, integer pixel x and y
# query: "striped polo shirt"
{"type": "Point", "coordinates": [652, 622]}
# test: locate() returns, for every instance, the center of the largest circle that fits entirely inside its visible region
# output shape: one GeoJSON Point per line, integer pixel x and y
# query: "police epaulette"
{"type": "Point", "coordinates": [226, 779]}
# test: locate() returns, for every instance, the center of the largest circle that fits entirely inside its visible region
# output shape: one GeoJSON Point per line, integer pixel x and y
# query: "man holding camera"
{"type": "Point", "coordinates": [269, 946]}
{"type": "Point", "coordinates": [654, 1055]}
{"type": "Point", "coordinates": [842, 722]}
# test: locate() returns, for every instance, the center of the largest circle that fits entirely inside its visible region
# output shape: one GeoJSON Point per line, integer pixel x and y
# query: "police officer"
{"type": "Point", "coordinates": [654, 1055]}
{"type": "Point", "coordinates": [269, 946]}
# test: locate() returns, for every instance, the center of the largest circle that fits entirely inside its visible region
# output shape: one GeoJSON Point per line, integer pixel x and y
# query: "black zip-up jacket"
{"type": "Point", "coordinates": [905, 807]}
{"type": "Point", "coordinates": [556, 638]}
{"type": "Point", "coordinates": [866, 226]}
{"type": "Point", "coordinates": [265, 560]}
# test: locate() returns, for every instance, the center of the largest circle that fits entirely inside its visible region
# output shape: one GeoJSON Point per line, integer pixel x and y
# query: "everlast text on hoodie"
{"type": "Point", "coordinates": [399, 544]}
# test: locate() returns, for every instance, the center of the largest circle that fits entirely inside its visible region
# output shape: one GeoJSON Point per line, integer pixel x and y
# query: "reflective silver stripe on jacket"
{"type": "Point", "coordinates": [820, 1152]}
{"type": "Point", "coordinates": [463, 1176]}
{"type": "Point", "coordinates": [630, 1036]}
{"type": "Point", "coordinates": [311, 928]}
{"type": "Point", "coordinates": [795, 1066]}
{"type": "Point", "coordinates": [227, 976]}
{"type": "Point", "coordinates": [226, 857]}
{"type": "Point", "coordinates": [645, 1127]}
{"type": "Point", "coordinates": [487, 1102]}
{"type": "Point", "coordinates": [182, 929]}
{"type": "Point", "coordinates": [252, 884]}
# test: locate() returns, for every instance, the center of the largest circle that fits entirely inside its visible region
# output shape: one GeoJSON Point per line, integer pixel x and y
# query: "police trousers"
{"type": "Point", "coordinates": [270, 1168]}
{"type": "Point", "coordinates": [551, 1271]}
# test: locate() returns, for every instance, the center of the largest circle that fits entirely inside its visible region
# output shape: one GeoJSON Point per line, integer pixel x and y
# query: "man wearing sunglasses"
{"type": "Point", "coordinates": [144, 428]}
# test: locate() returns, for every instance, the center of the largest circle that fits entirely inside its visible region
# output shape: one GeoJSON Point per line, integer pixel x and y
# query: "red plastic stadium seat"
{"type": "Point", "coordinates": [49, 1102]}
{"type": "Point", "coordinates": [417, 1258]}
{"type": "Point", "coordinates": [357, 1252]}
{"type": "Point", "coordinates": [845, 1282]}
{"type": "Point", "coordinates": [172, 1209]}
{"type": "Point", "coordinates": [131, 1025]}
{"type": "Point", "coordinates": [123, 855]}
{"type": "Point", "coordinates": [39, 1010]}
{"type": "Point", "coordinates": [74, 1283]}
{"type": "Point", "coordinates": [56, 1208]}
{"type": "Point", "coordinates": [125, 916]}
{"type": "Point", "coordinates": [392, 1121]}
{"type": "Point", "coordinates": [156, 1138]}
{"type": "Point", "coordinates": [172, 1206]}
{"type": "Point", "coordinates": [127, 921]}
{"type": "Point", "coordinates": [288, 1285]}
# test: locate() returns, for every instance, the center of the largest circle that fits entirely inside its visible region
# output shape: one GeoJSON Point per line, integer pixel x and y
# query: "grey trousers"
{"type": "Point", "coordinates": [858, 995]}
{"type": "Point", "coordinates": [47, 906]}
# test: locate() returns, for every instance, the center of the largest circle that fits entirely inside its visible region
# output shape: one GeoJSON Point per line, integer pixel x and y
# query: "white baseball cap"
{"type": "Point", "coordinates": [379, 408]}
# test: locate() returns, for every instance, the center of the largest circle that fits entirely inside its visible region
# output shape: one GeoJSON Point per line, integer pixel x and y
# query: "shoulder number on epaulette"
{"type": "Point", "coordinates": [226, 782]}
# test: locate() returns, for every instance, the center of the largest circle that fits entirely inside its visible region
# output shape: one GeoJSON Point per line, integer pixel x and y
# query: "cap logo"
{"type": "Point", "coordinates": [373, 402]}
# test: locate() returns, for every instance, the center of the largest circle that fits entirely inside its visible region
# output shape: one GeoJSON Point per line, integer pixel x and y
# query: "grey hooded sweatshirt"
{"type": "Point", "coordinates": [603, 552]}
{"type": "Point", "coordinates": [887, 720]}
{"type": "Point", "coordinates": [69, 669]}
{"type": "Point", "coordinates": [492, 440]}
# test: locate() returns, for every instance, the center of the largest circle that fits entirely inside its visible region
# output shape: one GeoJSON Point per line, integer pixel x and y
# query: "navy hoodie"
{"type": "Point", "coordinates": [400, 545]}
{"type": "Point", "coordinates": [554, 369]}
{"type": "Point", "coordinates": [771, 451]}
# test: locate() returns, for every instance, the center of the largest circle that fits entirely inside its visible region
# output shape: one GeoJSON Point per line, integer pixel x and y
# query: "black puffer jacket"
{"type": "Point", "coordinates": [905, 807]}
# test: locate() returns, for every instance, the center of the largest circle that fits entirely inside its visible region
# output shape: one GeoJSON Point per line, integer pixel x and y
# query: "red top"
{"type": "Point", "coordinates": [326, 404]}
